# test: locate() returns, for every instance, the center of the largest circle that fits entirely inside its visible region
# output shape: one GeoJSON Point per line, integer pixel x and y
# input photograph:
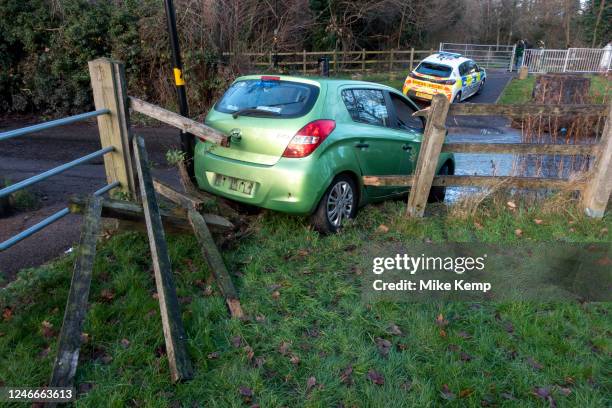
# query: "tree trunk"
{"type": "Point", "coordinates": [602, 5]}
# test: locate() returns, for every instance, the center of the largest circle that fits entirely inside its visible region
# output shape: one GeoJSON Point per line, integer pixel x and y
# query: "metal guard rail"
{"type": "Point", "coordinates": [51, 124]}
{"type": "Point", "coordinates": [48, 221]}
{"type": "Point", "coordinates": [52, 172]}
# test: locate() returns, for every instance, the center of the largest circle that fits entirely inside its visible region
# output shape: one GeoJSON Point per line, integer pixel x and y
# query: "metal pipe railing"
{"type": "Point", "coordinates": [47, 221]}
{"type": "Point", "coordinates": [57, 170]}
{"type": "Point", "coordinates": [51, 124]}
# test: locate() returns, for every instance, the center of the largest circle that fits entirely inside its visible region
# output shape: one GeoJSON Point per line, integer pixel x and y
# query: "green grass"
{"type": "Point", "coordinates": [304, 289]}
{"type": "Point", "coordinates": [519, 91]}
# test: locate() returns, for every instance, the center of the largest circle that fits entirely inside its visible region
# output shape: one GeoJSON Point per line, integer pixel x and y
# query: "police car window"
{"type": "Point", "coordinates": [430, 68]}
{"type": "Point", "coordinates": [403, 113]}
{"type": "Point", "coordinates": [472, 68]}
{"type": "Point", "coordinates": [463, 69]}
{"type": "Point", "coordinates": [366, 106]}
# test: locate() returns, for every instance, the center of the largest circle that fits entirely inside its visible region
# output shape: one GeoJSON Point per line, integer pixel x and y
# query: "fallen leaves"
{"type": "Point", "coordinates": [47, 329]}
{"type": "Point", "coordinates": [284, 348]}
{"type": "Point", "coordinates": [394, 330]}
{"type": "Point", "coordinates": [125, 343]}
{"type": "Point", "coordinates": [107, 295]}
{"type": "Point", "coordinates": [538, 221]}
{"type": "Point", "coordinates": [346, 375]}
{"type": "Point", "coordinates": [511, 205]}
{"type": "Point", "coordinates": [382, 229]}
{"type": "Point", "coordinates": [246, 393]}
{"type": "Point", "coordinates": [7, 314]}
{"type": "Point", "coordinates": [236, 341]}
{"type": "Point", "coordinates": [534, 364]}
{"type": "Point", "coordinates": [518, 232]}
{"type": "Point", "coordinates": [544, 393]}
{"type": "Point", "coordinates": [214, 355]}
{"type": "Point", "coordinates": [376, 377]}
{"type": "Point", "coordinates": [310, 383]}
{"type": "Point", "coordinates": [384, 346]}
{"type": "Point", "coordinates": [446, 393]}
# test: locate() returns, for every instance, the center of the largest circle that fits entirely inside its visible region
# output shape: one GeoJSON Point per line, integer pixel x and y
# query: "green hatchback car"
{"type": "Point", "coordinates": [301, 145]}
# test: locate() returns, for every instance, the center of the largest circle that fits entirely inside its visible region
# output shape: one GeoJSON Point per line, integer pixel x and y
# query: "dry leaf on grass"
{"type": "Point", "coordinates": [376, 377]}
{"type": "Point", "coordinates": [382, 229]}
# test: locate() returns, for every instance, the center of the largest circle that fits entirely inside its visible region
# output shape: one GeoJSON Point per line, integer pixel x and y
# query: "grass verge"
{"type": "Point", "coordinates": [519, 91]}
{"type": "Point", "coordinates": [311, 341]}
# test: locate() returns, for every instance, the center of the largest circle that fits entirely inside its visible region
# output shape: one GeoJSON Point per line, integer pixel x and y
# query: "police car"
{"type": "Point", "coordinates": [447, 73]}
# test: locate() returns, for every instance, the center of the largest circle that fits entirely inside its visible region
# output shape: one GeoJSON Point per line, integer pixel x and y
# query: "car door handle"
{"type": "Point", "coordinates": [407, 147]}
{"type": "Point", "coordinates": [362, 145]}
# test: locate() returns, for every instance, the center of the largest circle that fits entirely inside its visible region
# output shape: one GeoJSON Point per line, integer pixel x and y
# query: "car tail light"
{"type": "Point", "coordinates": [308, 138]}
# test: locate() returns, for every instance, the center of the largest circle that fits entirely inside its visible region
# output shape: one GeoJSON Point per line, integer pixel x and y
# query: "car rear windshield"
{"type": "Point", "coordinates": [429, 68]}
{"type": "Point", "coordinates": [272, 98]}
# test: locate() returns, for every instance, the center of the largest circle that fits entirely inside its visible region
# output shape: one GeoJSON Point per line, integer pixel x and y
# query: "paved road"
{"type": "Point", "coordinates": [25, 156]}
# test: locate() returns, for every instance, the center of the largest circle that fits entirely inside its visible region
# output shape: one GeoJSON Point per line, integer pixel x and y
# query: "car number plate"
{"type": "Point", "coordinates": [235, 184]}
{"type": "Point", "coordinates": [423, 95]}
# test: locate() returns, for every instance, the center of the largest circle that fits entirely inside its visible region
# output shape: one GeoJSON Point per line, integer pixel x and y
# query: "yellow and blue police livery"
{"type": "Point", "coordinates": [447, 73]}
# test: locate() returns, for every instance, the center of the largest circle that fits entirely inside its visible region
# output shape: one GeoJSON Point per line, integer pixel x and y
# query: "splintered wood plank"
{"type": "Point", "coordinates": [174, 333]}
{"type": "Point", "coordinates": [215, 261]}
{"type": "Point", "coordinates": [461, 109]}
{"type": "Point", "coordinates": [177, 197]}
{"type": "Point", "coordinates": [185, 124]}
{"type": "Point", "coordinates": [69, 345]}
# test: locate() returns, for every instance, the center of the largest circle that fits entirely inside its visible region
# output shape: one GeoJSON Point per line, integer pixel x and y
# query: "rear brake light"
{"type": "Point", "coordinates": [270, 78]}
{"type": "Point", "coordinates": [308, 138]}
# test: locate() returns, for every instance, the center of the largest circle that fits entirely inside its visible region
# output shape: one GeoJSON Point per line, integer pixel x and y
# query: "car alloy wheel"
{"type": "Point", "coordinates": [339, 204]}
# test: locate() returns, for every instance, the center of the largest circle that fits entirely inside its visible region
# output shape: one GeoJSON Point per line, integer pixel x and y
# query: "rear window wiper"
{"type": "Point", "coordinates": [247, 111]}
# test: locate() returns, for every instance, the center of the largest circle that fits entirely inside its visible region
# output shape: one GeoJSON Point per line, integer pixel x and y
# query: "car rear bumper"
{"type": "Point", "coordinates": [290, 185]}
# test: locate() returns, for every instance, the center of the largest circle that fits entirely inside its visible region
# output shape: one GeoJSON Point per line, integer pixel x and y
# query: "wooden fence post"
{"type": "Point", "coordinates": [109, 92]}
{"type": "Point", "coordinates": [431, 146]}
{"type": "Point", "coordinates": [363, 59]}
{"type": "Point", "coordinates": [335, 62]}
{"type": "Point", "coordinates": [597, 193]}
{"type": "Point", "coordinates": [304, 61]}
{"type": "Point", "coordinates": [391, 60]}
{"type": "Point", "coordinates": [174, 333]}
{"type": "Point", "coordinates": [411, 58]}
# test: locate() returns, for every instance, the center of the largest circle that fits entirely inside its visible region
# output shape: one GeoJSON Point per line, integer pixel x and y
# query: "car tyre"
{"type": "Point", "coordinates": [337, 204]}
{"type": "Point", "coordinates": [457, 98]}
{"type": "Point", "coordinates": [481, 86]}
{"type": "Point", "coordinates": [437, 194]}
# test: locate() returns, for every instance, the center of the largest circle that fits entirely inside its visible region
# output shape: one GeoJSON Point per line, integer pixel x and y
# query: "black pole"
{"type": "Point", "coordinates": [187, 139]}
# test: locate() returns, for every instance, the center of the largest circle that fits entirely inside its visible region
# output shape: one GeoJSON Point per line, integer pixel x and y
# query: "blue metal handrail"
{"type": "Point", "coordinates": [52, 172]}
{"type": "Point", "coordinates": [51, 124]}
{"type": "Point", "coordinates": [47, 221]}
{"type": "Point", "coordinates": [57, 170]}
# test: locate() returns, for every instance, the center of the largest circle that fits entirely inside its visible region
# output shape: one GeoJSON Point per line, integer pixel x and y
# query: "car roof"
{"type": "Point", "coordinates": [331, 82]}
{"type": "Point", "coordinates": [447, 58]}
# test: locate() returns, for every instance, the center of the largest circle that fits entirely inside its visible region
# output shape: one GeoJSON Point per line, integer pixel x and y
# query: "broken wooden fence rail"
{"type": "Point", "coordinates": [69, 343]}
{"type": "Point", "coordinates": [132, 216]}
{"type": "Point", "coordinates": [174, 119]}
{"type": "Point", "coordinates": [209, 248]}
{"type": "Point", "coordinates": [174, 333]}
{"type": "Point", "coordinates": [596, 189]}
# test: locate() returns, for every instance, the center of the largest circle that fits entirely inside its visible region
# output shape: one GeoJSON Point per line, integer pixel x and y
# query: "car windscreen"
{"type": "Point", "coordinates": [269, 98]}
{"type": "Point", "coordinates": [439, 70]}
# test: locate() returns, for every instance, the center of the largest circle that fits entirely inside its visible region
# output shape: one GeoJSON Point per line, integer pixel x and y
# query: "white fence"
{"type": "Point", "coordinates": [488, 56]}
{"type": "Point", "coordinates": [542, 60]}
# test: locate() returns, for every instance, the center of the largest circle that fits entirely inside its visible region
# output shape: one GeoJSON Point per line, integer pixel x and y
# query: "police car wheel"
{"type": "Point", "coordinates": [482, 84]}
{"type": "Point", "coordinates": [457, 98]}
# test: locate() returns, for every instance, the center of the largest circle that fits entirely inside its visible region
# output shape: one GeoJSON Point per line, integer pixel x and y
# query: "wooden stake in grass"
{"type": "Point", "coordinates": [180, 365]}
{"type": "Point", "coordinates": [431, 146]}
{"type": "Point", "coordinates": [215, 261]}
{"type": "Point", "coordinates": [69, 346]}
